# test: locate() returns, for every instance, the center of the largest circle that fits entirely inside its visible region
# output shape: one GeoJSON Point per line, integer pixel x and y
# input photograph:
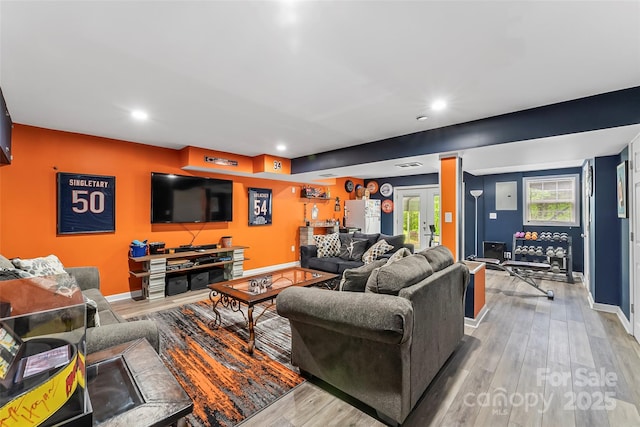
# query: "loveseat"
{"type": "Point", "coordinates": [34, 285]}
{"type": "Point", "coordinates": [112, 329]}
{"type": "Point", "coordinates": [385, 344]}
{"type": "Point", "coordinates": [341, 259]}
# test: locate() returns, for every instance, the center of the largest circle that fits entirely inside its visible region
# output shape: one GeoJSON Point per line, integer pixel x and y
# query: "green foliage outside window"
{"type": "Point", "coordinates": [551, 200]}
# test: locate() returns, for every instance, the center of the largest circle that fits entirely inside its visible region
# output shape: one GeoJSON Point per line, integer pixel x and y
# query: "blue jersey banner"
{"type": "Point", "coordinates": [259, 206]}
{"type": "Point", "coordinates": [86, 203]}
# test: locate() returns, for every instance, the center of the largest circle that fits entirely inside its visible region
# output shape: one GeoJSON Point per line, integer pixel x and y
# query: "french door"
{"type": "Point", "coordinates": [417, 215]}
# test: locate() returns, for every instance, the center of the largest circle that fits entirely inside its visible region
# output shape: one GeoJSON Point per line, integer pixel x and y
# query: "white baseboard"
{"type": "Point", "coordinates": [609, 308]}
{"type": "Point", "coordinates": [124, 296]}
{"type": "Point", "coordinates": [262, 270]}
{"type": "Point", "coordinates": [474, 323]}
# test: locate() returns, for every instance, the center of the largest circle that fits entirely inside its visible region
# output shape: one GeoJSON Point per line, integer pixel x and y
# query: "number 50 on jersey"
{"type": "Point", "coordinates": [86, 203]}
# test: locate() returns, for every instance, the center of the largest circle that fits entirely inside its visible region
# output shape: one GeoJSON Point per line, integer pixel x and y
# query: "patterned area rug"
{"type": "Point", "coordinates": [225, 383]}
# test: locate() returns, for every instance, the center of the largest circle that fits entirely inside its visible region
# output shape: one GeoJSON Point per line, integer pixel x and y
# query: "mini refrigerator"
{"type": "Point", "coordinates": [363, 214]}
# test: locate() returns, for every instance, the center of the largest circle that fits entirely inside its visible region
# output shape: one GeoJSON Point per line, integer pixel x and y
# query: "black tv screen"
{"type": "Point", "coordinates": [5, 131]}
{"type": "Point", "coordinates": [178, 198]}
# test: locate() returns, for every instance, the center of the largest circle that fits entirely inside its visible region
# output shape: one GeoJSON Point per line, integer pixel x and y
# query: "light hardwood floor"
{"type": "Point", "coordinates": [531, 362]}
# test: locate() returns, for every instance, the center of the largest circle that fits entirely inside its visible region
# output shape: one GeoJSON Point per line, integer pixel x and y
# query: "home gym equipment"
{"type": "Point", "coordinates": [558, 255]}
{"type": "Point", "coordinates": [514, 269]}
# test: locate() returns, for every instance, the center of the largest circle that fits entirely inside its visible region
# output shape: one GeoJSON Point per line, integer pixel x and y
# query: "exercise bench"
{"type": "Point", "coordinates": [512, 268]}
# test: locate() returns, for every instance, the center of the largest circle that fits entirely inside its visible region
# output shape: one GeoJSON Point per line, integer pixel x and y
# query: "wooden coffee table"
{"type": "Point", "coordinates": [252, 290]}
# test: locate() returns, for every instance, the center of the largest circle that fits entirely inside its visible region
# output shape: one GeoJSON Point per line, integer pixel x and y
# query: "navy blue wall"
{"type": "Point", "coordinates": [502, 228]}
{"type": "Point", "coordinates": [606, 228]}
{"type": "Point", "coordinates": [386, 220]}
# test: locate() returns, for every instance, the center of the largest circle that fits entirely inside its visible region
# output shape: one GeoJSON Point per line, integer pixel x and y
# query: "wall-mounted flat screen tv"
{"type": "Point", "coordinates": [5, 131]}
{"type": "Point", "coordinates": [178, 198]}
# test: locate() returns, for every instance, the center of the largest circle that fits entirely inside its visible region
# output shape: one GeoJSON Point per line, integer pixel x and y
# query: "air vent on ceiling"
{"type": "Point", "coordinates": [409, 165]}
{"type": "Point", "coordinates": [328, 175]}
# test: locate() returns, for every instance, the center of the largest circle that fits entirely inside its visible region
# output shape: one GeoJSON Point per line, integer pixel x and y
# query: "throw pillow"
{"type": "Point", "coordinates": [439, 257]}
{"type": "Point", "coordinates": [355, 279]}
{"type": "Point", "coordinates": [379, 248]}
{"type": "Point", "coordinates": [328, 244]}
{"type": "Point", "coordinates": [395, 241]}
{"type": "Point", "coordinates": [370, 238]}
{"type": "Point", "coordinates": [5, 264]}
{"type": "Point", "coordinates": [352, 249]}
{"type": "Point", "coordinates": [399, 254]}
{"type": "Point", "coordinates": [43, 266]}
{"type": "Point", "coordinates": [392, 277]}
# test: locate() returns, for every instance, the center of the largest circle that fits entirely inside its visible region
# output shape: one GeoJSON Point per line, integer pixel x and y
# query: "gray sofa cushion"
{"type": "Point", "coordinates": [355, 279]}
{"type": "Point", "coordinates": [439, 257]}
{"type": "Point", "coordinates": [394, 276]}
{"type": "Point", "coordinates": [334, 265]}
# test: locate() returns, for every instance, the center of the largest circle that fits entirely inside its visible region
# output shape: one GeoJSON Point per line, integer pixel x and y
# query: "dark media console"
{"type": "Point", "coordinates": [191, 248]}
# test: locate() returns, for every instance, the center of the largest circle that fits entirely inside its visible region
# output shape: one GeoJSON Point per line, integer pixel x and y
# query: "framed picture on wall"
{"type": "Point", "coordinates": [259, 206]}
{"type": "Point", "coordinates": [86, 203]}
{"type": "Point", "coordinates": [621, 190]}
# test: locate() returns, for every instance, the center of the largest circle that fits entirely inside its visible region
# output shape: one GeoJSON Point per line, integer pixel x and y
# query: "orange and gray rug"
{"type": "Point", "coordinates": [224, 381]}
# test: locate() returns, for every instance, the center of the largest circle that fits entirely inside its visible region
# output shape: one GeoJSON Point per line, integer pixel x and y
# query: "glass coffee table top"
{"type": "Point", "coordinates": [275, 280]}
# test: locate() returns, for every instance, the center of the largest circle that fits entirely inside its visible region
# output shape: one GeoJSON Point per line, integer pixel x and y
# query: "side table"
{"type": "Point", "coordinates": [130, 386]}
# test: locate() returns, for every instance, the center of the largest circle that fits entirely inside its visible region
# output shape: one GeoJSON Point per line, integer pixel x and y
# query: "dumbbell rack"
{"type": "Point", "coordinates": [565, 274]}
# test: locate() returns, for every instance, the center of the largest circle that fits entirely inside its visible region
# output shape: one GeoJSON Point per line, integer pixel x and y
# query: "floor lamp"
{"type": "Point", "coordinates": [476, 194]}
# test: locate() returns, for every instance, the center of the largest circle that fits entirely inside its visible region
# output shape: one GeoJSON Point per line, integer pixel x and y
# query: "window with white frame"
{"type": "Point", "coordinates": [551, 200]}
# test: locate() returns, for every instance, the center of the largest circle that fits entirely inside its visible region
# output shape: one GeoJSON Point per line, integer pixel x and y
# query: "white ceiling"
{"type": "Point", "coordinates": [243, 76]}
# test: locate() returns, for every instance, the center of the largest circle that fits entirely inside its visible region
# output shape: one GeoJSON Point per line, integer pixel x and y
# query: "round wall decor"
{"type": "Point", "coordinates": [387, 206]}
{"type": "Point", "coordinates": [359, 190]}
{"type": "Point", "coordinates": [348, 186]}
{"type": "Point", "coordinates": [372, 186]}
{"type": "Point", "coordinates": [386, 189]}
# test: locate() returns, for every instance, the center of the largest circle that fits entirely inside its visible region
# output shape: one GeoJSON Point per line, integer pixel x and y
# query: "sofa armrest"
{"type": "Point", "coordinates": [307, 252]}
{"type": "Point", "coordinates": [86, 277]}
{"type": "Point", "coordinates": [409, 246]}
{"type": "Point", "coordinates": [382, 318]}
{"type": "Point", "coordinates": [106, 336]}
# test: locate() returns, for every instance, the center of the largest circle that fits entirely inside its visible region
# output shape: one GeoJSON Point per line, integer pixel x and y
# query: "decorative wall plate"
{"type": "Point", "coordinates": [387, 206]}
{"type": "Point", "coordinates": [386, 189]}
{"type": "Point", "coordinates": [372, 186]}
{"type": "Point", "coordinates": [359, 190]}
{"type": "Point", "coordinates": [348, 186]}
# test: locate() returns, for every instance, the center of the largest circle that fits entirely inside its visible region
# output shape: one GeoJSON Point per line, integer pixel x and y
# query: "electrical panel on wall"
{"type": "Point", "coordinates": [507, 196]}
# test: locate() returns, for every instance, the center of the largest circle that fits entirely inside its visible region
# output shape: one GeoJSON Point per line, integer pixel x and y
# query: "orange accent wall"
{"type": "Point", "coordinates": [266, 163]}
{"type": "Point", "coordinates": [478, 290]}
{"type": "Point", "coordinates": [448, 198]}
{"type": "Point", "coordinates": [28, 205]}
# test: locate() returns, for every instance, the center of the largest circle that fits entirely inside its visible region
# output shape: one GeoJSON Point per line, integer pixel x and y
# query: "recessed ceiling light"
{"type": "Point", "coordinates": [139, 115]}
{"type": "Point", "coordinates": [438, 105]}
{"type": "Point", "coordinates": [421, 118]}
{"type": "Point", "coordinates": [281, 147]}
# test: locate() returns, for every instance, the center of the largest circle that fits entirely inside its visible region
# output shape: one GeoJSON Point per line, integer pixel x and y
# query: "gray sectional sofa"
{"type": "Point", "coordinates": [384, 345]}
{"type": "Point", "coordinates": [112, 329]}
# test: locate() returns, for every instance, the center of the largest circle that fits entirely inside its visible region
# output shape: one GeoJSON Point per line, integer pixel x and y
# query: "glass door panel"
{"type": "Point", "coordinates": [417, 215]}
